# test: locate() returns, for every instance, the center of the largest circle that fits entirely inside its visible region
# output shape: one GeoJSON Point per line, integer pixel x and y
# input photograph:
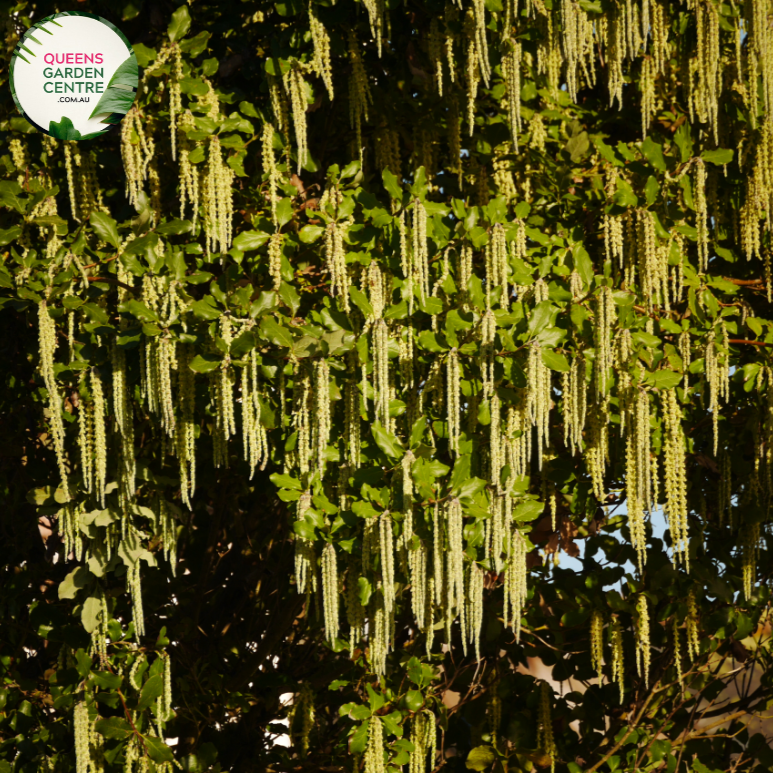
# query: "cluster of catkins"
{"type": "Point", "coordinates": [414, 551]}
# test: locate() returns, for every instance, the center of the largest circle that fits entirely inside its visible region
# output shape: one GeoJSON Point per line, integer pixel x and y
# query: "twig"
{"type": "Point", "coordinates": [749, 343]}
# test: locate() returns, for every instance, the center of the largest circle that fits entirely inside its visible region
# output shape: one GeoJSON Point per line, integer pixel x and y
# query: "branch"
{"type": "Point", "coordinates": [631, 728]}
{"type": "Point", "coordinates": [748, 343]}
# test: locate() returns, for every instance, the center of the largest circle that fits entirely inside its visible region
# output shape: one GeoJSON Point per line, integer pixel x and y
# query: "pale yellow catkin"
{"type": "Point", "coordinates": [47, 347]}
{"type": "Point", "coordinates": [545, 739]}
{"type": "Point", "coordinates": [330, 591]}
{"type": "Point", "coordinates": [618, 670]}
{"type": "Point", "coordinates": [359, 90]}
{"type": "Point", "coordinates": [597, 643]}
{"type": "Point", "coordinates": [100, 436]}
{"type": "Point", "coordinates": [643, 653]}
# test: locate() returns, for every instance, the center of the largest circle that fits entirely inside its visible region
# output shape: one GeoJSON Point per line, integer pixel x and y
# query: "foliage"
{"type": "Point", "coordinates": [365, 313]}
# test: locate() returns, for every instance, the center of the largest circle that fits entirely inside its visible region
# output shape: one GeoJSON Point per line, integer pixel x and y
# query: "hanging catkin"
{"type": "Point", "coordinates": [693, 626]}
{"type": "Point", "coordinates": [475, 607]}
{"type": "Point", "coordinates": [597, 643]}
{"type": "Point", "coordinates": [217, 198]}
{"type": "Point", "coordinates": [419, 262]}
{"type": "Point", "coordinates": [643, 639]}
{"type": "Point", "coordinates": [423, 739]}
{"type": "Point", "coordinates": [359, 91]}
{"type": "Point", "coordinates": [322, 61]}
{"type": "Point", "coordinates": [374, 752]}
{"type": "Point", "coordinates": [335, 258]}
{"type": "Point", "coordinates": [539, 397]}
{"type": "Point", "coordinates": [675, 478]}
{"type": "Point", "coordinates": [86, 442]}
{"type": "Point", "coordinates": [137, 149]}
{"type": "Point", "coordinates": [133, 582]}
{"type": "Point", "coordinates": [322, 420]}
{"type": "Point", "coordinates": [453, 400]}
{"type": "Point", "coordinates": [545, 739]}
{"type": "Point", "coordinates": [701, 215]}
{"type": "Point", "coordinates": [330, 591]}
{"type": "Point", "coordinates": [380, 346]}
{"type": "Point", "coordinates": [511, 73]}
{"type": "Point", "coordinates": [618, 671]}
{"type": "Point", "coordinates": [295, 88]}
{"type": "Point", "coordinates": [275, 246]}
{"type": "Point", "coordinates": [100, 436]}
{"type": "Point", "coordinates": [717, 376]}
{"type": "Point", "coordinates": [47, 346]}
{"type": "Point", "coordinates": [270, 168]}
{"type": "Point", "coordinates": [455, 556]}
{"type": "Point", "coordinates": [305, 556]}
{"type": "Point", "coordinates": [604, 323]}
{"type": "Point", "coordinates": [638, 475]}
{"type": "Point", "coordinates": [515, 588]}
{"type": "Point", "coordinates": [81, 732]}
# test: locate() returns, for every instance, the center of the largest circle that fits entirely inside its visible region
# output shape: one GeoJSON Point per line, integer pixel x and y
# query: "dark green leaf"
{"type": "Point", "coordinates": [180, 24]}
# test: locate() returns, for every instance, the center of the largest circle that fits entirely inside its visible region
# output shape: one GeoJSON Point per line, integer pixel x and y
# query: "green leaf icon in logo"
{"type": "Point", "coordinates": [119, 95]}
{"type": "Point", "coordinates": [64, 130]}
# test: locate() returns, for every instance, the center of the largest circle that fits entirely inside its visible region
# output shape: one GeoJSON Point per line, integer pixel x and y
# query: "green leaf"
{"type": "Point", "coordinates": [284, 212]}
{"type": "Point", "coordinates": [666, 379]}
{"type": "Point", "coordinates": [105, 228]}
{"type": "Point", "coordinates": [180, 24]}
{"type": "Point", "coordinates": [392, 723]}
{"type": "Point", "coordinates": [480, 758]}
{"type": "Point", "coordinates": [106, 680]}
{"type": "Point", "coordinates": [432, 342]}
{"type": "Point", "coordinates": [554, 360]}
{"type": "Point", "coordinates": [310, 233]}
{"type": "Point", "coordinates": [285, 481]}
{"type": "Point", "coordinates": [417, 431]}
{"type": "Point", "coordinates": [528, 510]}
{"type": "Point", "coordinates": [90, 613]}
{"type": "Point", "coordinates": [9, 234]}
{"type": "Point", "coordinates": [204, 363]}
{"type": "Point", "coordinates": [359, 739]}
{"type": "Point", "coordinates": [718, 157]}
{"type": "Point", "coordinates": [158, 751]}
{"type": "Point", "coordinates": [139, 310]}
{"type": "Point", "coordinates": [361, 301]}
{"type": "Point", "coordinates": [116, 728]}
{"type": "Point", "coordinates": [386, 441]}
{"type": "Point", "coordinates": [577, 147]}
{"type": "Point", "coordinates": [414, 700]}
{"type": "Point", "coordinates": [73, 582]}
{"type": "Point", "coordinates": [195, 45]}
{"type": "Point", "coordinates": [392, 185]}
{"type": "Point", "coordinates": [364, 590]}
{"type": "Point", "coordinates": [247, 241]}
{"type": "Point", "coordinates": [271, 330]}
{"type": "Point", "coordinates": [173, 227]}
{"type": "Point", "coordinates": [206, 309]}
{"type": "Point", "coordinates": [683, 140]}
{"type": "Point", "coordinates": [624, 195]}
{"type": "Point", "coordinates": [290, 296]}
{"type": "Point", "coordinates": [651, 190]}
{"type": "Point", "coordinates": [653, 152]}
{"type": "Point", "coordinates": [144, 54]}
{"type": "Point", "coordinates": [461, 473]}
{"type": "Point", "coordinates": [540, 317]}
{"type": "Point", "coordinates": [583, 263]}
{"type": "Point", "coordinates": [151, 690]}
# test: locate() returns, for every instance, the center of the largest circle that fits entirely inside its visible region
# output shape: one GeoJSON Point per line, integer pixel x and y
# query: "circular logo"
{"type": "Point", "coordinates": [73, 75]}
